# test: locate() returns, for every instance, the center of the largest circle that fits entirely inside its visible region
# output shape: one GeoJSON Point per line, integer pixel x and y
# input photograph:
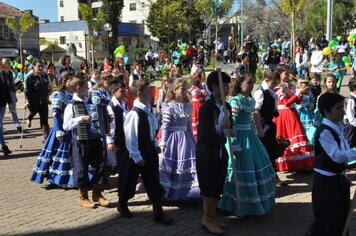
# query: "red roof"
{"type": "Point", "coordinates": [8, 11]}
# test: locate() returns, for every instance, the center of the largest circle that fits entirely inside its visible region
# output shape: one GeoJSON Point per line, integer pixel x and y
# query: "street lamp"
{"type": "Point", "coordinates": [85, 44]}
{"type": "Point", "coordinates": [108, 28]}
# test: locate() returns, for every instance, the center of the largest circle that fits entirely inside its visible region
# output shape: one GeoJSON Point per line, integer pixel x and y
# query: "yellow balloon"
{"type": "Point", "coordinates": [184, 52]}
{"type": "Point", "coordinates": [347, 65]}
{"type": "Point", "coordinates": [350, 39]}
{"type": "Point", "coordinates": [260, 47]}
{"type": "Point", "coordinates": [20, 66]}
{"type": "Point", "coordinates": [326, 51]}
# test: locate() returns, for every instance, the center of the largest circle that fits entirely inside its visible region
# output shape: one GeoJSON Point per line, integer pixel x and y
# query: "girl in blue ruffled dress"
{"type": "Point", "coordinates": [330, 86]}
{"type": "Point", "coordinates": [255, 172]}
{"type": "Point", "coordinates": [306, 107]}
{"type": "Point", "coordinates": [54, 161]}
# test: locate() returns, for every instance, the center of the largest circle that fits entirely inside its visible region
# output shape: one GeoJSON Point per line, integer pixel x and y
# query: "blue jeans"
{"type": "Point", "coordinates": [2, 113]}
{"type": "Point", "coordinates": [301, 71]}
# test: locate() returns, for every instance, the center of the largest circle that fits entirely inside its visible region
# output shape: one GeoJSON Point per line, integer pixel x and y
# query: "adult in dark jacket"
{"type": "Point", "coordinates": [36, 96]}
{"type": "Point", "coordinates": [65, 61]}
{"type": "Point", "coordinates": [5, 98]}
{"type": "Point", "coordinates": [211, 154]}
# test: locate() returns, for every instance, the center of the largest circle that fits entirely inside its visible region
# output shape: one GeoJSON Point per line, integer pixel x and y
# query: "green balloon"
{"type": "Point", "coordinates": [345, 59]}
{"type": "Point", "coordinates": [332, 43]}
{"type": "Point", "coordinates": [354, 35]}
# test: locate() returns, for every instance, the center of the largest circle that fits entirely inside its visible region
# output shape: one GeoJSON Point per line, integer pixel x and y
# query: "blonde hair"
{"type": "Point", "coordinates": [171, 96]}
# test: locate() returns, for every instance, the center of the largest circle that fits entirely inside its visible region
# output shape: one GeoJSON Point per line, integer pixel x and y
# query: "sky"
{"type": "Point", "coordinates": [44, 9]}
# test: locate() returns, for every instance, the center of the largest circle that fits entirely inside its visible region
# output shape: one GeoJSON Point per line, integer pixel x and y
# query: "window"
{"type": "Point", "coordinates": [132, 6]}
{"type": "Point", "coordinates": [1, 32]}
{"type": "Point", "coordinates": [61, 4]}
{"type": "Point", "coordinates": [62, 18]}
{"type": "Point", "coordinates": [143, 4]}
{"type": "Point", "coordinates": [62, 40]}
{"type": "Point", "coordinates": [6, 32]}
{"type": "Point", "coordinates": [95, 11]}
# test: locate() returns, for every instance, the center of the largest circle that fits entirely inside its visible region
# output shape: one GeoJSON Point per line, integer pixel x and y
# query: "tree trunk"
{"type": "Point", "coordinates": [293, 37]}
{"type": "Point", "coordinates": [92, 55]}
{"type": "Point", "coordinates": [21, 59]}
{"type": "Point", "coordinates": [216, 41]}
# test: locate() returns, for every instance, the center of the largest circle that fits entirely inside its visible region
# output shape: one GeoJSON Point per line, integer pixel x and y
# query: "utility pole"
{"type": "Point", "coordinates": [329, 25]}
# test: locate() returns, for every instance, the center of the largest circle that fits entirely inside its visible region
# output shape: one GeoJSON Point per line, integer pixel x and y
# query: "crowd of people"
{"type": "Point", "coordinates": [203, 134]}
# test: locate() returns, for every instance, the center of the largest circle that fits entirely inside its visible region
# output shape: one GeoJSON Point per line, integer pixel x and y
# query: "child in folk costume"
{"type": "Point", "coordinates": [177, 159]}
{"type": "Point", "coordinates": [198, 95]}
{"type": "Point", "coordinates": [315, 87]}
{"type": "Point", "coordinates": [254, 169]}
{"type": "Point", "coordinates": [306, 106]}
{"type": "Point", "coordinates": [350, 127]}
{"type": "Point", "coordinates": [94, 80]}
{"type": "Point", "coordinates": [140, 127]}
{"type": "Point", "coordinates": [86, 147]}
{"type": "Point", "coordinates": [299, 154]}
{"type": "Point", "coordinates": [331, 187]}
{"type": "Point", "coordinates": [211, 154]}
{"type": "Point", "coordinates": [101, 93]}
{"type": "Point", "coordinates": [266, 104]}
{"type": "Point", "coordinates": [53, 161]}
{"type": "Point", "coordinates": [330, 82]}
{"type": "Point", "coordinates": [163, 92]}
{"type": "Point", "coordinates": [116, 143]}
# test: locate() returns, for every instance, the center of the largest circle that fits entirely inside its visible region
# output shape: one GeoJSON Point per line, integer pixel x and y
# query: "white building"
{"type": "Point", "coordinates": [134, 11]}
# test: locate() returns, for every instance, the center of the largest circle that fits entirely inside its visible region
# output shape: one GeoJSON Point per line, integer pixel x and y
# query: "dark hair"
{"type": "Point", "coordinates": [213, 79]}
{"type": "Point", "coordinates": [116, 86]}
{"type": "Point", "coordinates": [327, 101]}
{"type": "Point", "coordinates": [138, 86]}
{"type": "Point", "coordinates": [35, 62]}
{"type": "Point", "coordinates": [64, 77]}
{"type": "Point", "coordinates": [282, 68]}
{"type": "Point", "coordinates": [352, 85]}
{"type": "Point", "coordinates": [63, 59]}
{"type": "Point", "coordinates": [240, 78]}
{"type": "Point", "coordinates": [317, 76]}
{"type": "Point", "coordinates": [77, 81]}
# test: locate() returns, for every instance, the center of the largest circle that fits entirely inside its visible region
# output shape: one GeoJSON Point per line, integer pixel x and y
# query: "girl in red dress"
{"type": "Point", "coordinates": [299, 154]}
{"type": "Point", "coordinates": [198, 94]}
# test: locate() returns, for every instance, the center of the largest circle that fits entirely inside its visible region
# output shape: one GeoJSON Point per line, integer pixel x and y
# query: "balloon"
{"type": "Point", "coordinates": [118, 55]}
{"type": "Point", "coordinates": [260, 47]}
{"type": "Point", "coordinates": [19, 66]}
{"type": "Point", "coordinates": [347, 65]}
{"type": "Point", "coordinates": [345, 59]}
{"type": "Point", "coordinates": [183, 47]}
{"type": "Point", "coordinates": [350, 39]}
{"type": "Point", "coordinates": [11, 63]}
{"type": "Point", "coordinates": [116, 51]}
{"type": "Point", "coordinates": [31, 57]}
{"type": "Point", "coordinates": [332, 43]}
{"type": "Point", "coordinates": [28, 58]}
{"type": "Point", "coordinates": [16, 64]}
{"type": "Point", "coordinates": [354, 35]}
{"type": "Point", "coordinates": [184, 52]}
{"type": "Point", "coordinates": [338, 38]}
{"type": "Point", "coordinates": [122, 49]}
{"type": "Point", "coordinates": [326, 51]}
{"type": "Point", "coordinates": [84, 72]}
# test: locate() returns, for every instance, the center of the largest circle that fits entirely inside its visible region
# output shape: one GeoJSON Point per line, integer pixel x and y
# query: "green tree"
{"type": "Point", "coordinates": [214, 11]}
{"type": "Point", "coordinates": [112, 10]}
{"type": "Point", "coordinates": [173, 20]}
{"type": "Point", "coordinates": [93, 22]}
{"type": "Point", "coordinates": [20, 26]}
{"type": "Point", "coordinates": [51, 45]}
{"type": "Point", "coordinates": [292, 8]}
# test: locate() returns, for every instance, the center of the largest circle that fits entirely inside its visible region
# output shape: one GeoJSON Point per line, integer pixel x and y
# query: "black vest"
{"type": "Point", "coordinates": [322, 160]}
{"type": "Point", "coordinates": [146, 146]}
{"type": "Point", "coordinates": [349, 130]}
{"type": "Point", "coordinates": [268, 110]}
{"type": "Point", "coordinates": [119, 136]}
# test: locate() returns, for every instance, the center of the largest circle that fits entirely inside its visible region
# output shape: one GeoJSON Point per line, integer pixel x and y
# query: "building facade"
{"type": "Point", "coordinates": [9, 41]}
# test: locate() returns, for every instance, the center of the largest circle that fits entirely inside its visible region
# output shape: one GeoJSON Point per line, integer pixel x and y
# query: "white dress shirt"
{"type": "Point", "coordinates": [69, 121]}
{"type": "Point", "coordinates": [350, 110]}
{"type": "Point", "coordinates": [114, 102]}
{"type": "Point", "coordinates": [316, 59]}
{"type": "Point", "coordinates": [342, 154]}
{"type": "Point", "coordinates": [258, 96]}
{"type": "Point", "coordinates": [131, 130]}
{"type": "Point", "coordinates": [304, 59]}
{"type": "Point", "coordinates": [131, 78]}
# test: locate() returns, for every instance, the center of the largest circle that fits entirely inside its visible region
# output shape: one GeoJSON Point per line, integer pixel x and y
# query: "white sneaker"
{"type": "Point", "coordinates": [28, 123]}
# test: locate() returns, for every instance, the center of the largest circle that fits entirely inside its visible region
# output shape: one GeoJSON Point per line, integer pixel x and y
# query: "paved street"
{"type": "Point", "coordinates": [31, 209]}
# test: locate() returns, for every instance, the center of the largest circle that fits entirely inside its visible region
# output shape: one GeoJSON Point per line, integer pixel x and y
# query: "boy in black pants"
{"type": "Point", "coordinates": [331, 187]}
{"type": "Point", "coordinates": [140, 128]}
